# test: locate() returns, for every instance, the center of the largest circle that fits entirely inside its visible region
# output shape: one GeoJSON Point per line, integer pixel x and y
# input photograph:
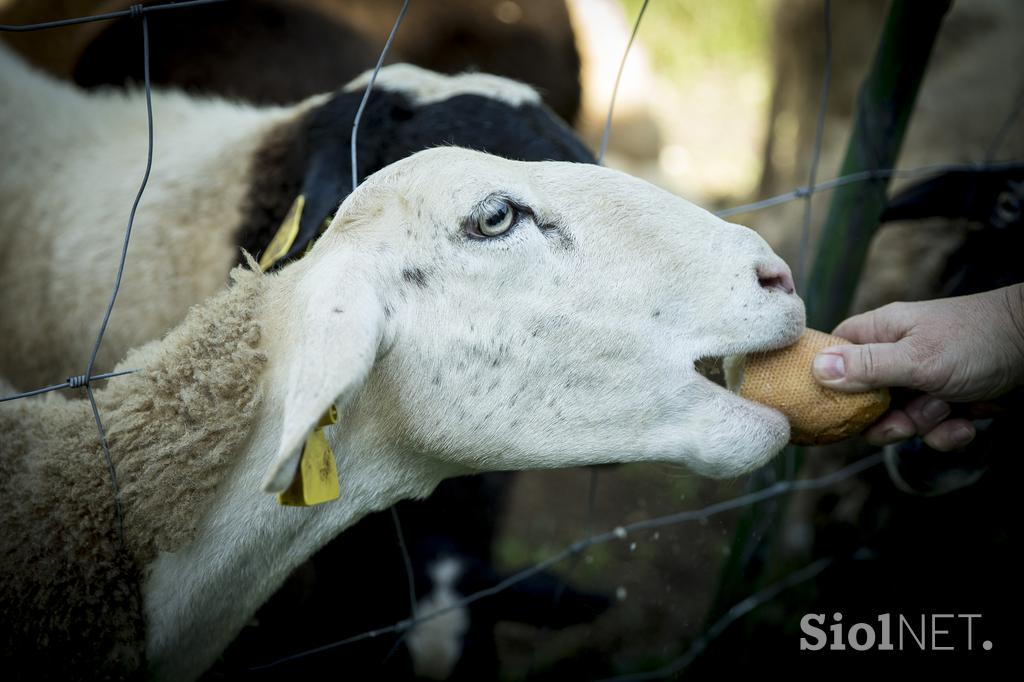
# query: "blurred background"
{"type": "Point", "coordinates": [718, 103]}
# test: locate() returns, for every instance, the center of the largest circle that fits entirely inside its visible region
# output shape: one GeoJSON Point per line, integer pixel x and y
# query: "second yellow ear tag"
{"type": "Point", "coordinates": [316, 480]}
{"type": "Point", "coordinates": [285, 235]}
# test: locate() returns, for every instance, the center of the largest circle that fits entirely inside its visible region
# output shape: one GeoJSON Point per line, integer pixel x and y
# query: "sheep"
{"type": "Point", "coordinates": [224, 177]}
{"type": "Point", "coordinates": [410, 108]}
{"type": "Point", "coordinates": [281, 51]}
{"type": "Point", "coordinates": [465, 313]}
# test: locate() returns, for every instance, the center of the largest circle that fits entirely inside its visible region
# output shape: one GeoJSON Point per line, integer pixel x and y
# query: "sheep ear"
{"type": "Point", "coordinates": [327, 183]}
{"type": "Point", "coordinates": [331, 345]}
{"type": "Point", "coordinates": [327, 178]}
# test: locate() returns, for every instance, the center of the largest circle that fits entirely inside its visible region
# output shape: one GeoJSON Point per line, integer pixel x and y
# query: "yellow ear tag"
{"type": "Point", "coordinates": [282, 242]}
{"type": "Point", "coordinates": [316, 480]}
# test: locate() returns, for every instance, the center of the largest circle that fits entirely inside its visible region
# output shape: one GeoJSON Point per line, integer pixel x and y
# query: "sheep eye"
{"type": "Point", "coordinates": [497, 220]}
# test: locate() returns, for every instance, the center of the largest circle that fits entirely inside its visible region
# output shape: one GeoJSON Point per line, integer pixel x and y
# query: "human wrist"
{"type": "Point", "coordinates": [1013, 299]}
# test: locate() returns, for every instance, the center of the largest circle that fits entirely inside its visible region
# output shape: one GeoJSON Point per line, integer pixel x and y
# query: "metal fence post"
{"type": "Point", "coordinates": [884, 105]}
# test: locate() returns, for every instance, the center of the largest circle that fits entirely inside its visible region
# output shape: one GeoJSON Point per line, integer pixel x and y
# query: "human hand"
{"type": "Point", "coordinates": [953, 350]}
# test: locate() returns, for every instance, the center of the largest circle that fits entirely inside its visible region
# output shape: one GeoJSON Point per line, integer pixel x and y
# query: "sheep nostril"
{"type": "Point", "coordinates": [780, 280]}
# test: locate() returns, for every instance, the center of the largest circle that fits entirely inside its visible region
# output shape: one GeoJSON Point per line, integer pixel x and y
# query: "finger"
{"type": "Point", "coordinates": [950, 435]}
{"type": "Point", "coordinates": [926, 412]}
{"type": "Point", "coordinates": [894, 426]}
{"type": "Point", "coordinates": [883, 325]}
{"type": "Point", "coordinates": [861, 368]}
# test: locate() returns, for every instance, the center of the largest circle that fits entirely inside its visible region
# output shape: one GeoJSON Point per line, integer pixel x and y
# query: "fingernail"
{"type": "Point", "coordinates": [895, 433]}
{"type": "Point", "coordinates": [962, 435]}
{"type": "Point", "coordinates": [828, 366]}
{"type": "Point", "coordinates": [934, 410]}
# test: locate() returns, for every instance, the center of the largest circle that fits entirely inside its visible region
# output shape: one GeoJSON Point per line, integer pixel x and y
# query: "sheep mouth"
{"type": "Point", "coordinates": [725, 371]}
{"type": "Point", "coordinates": [756, 425]}
{"type": "Point", "coordinates": [724, 376]}
{"type": "Point", "coordinates": [712, 368]}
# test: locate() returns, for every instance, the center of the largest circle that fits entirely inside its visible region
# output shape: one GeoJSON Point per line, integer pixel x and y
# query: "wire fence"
{"type": "Point", "coordinates": [573, 551]}
{"type": "Point", "coordinates": [137, 11]}
{"type": "Point", "coordinates": [617, 534]}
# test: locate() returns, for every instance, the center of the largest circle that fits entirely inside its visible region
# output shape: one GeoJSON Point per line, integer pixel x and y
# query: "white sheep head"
{"type": "Point", "coordinates": [567, 337]}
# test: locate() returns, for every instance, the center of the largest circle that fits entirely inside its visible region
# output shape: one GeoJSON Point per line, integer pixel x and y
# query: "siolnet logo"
{"type": "Point", "coordinates": [924, 632]}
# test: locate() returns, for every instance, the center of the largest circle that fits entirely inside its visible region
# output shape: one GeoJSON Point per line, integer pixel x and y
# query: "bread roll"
{"type": "Point", "coordinates": [782, 379]}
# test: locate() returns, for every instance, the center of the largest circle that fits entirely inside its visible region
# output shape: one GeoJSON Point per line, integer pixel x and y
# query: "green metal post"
{"type": "Point", "coordinates": [884, 106]}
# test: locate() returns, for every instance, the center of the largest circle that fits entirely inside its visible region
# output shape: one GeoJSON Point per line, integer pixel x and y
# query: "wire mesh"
{"type": "Point", "coordinates": [574, 550]}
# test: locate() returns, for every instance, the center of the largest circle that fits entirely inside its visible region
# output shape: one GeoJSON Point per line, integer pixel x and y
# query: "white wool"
{"type": "Point", "coordinates": [425, 87]}
{"type": "Point", "coordinates": [74, 161]}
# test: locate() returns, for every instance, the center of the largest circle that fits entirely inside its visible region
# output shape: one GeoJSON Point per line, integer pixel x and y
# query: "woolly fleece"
{"type": "Point", "coordinates": [70, 601]}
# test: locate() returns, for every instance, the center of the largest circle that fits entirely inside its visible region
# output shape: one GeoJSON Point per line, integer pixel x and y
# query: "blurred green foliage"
{"type": "Point", "coordinates": [686, 35]}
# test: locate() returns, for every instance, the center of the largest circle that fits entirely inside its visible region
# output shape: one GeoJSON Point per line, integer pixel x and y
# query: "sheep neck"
{"type": "Point", "coordinates": [176, 428]}
{"type": "Point", "coordinates": [197, 598]}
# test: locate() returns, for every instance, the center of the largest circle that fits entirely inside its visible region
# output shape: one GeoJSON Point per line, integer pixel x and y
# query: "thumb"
{"type": "Point", "coordinates": [853, 369]}
{"type": "Point", "coordinates": [889, 323]}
